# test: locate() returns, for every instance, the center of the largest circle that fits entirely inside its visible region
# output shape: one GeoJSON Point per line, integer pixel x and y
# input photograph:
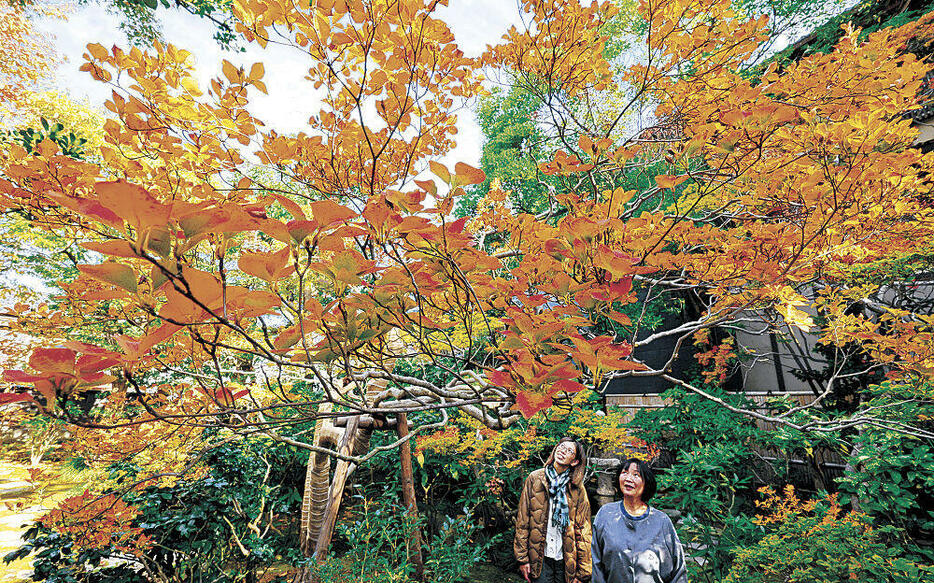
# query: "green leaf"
{"type": "Point", "coordinates": [113, 273]}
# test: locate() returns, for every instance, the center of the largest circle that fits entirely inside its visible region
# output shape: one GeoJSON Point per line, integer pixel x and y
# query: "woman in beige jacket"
{"type": "Point", "coordinates": [552, 543]}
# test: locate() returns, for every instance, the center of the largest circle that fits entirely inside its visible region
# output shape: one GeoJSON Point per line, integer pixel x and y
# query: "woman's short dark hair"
{"type": "Point", "coordinates": [648, 476]}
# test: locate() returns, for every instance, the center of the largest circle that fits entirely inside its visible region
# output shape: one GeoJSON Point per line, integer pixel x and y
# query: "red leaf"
{"type": "Point", "coordinates": [568, 386]}
{"type": "Point", "coordinates": [53, 360]}
{"type": "Point", "coordinates": [529, 403]}
{"type": "Point", "coordinates": [85, 348]}
{"type": "Point", "coordinates": [621, 287]}
{"type": "Point", "coordinates": [500, 379]}
{"type": "Point", "coordinates": [6, 398]}
{"type": "Point", "coordinates": [457, 226]}
{"type": "Point", "coordinates": [19, 376]}
{"type": "Point", "coordinates": [88, 363]}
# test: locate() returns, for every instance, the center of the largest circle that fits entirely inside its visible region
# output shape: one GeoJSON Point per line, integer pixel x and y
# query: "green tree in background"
{"type": "Point", "coordinates": [138, 17]}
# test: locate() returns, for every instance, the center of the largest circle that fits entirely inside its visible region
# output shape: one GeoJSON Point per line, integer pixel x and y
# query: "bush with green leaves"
{"type": "Point", "coordinates": [374, 545]}
{"type": "Point", "coordinates": [201, 529]}
{"type": "Point", "coordinates": [817, 542]}
{"type": "Point", "coordinates": [716, 465]}
{"type": "Point", "coordinates": [890, 476]}
{"type": "Point", "coordinates": [718, 458]}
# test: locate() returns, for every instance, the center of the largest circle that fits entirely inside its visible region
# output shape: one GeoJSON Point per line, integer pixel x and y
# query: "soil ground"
{"type": "Point", "coordinates": [484, 573]}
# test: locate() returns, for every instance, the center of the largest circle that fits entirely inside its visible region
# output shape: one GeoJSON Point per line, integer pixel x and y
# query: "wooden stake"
{"type": "Point", "coordinates": [408, 494]}
{"type": "Point", "coordinates": [341, 471]}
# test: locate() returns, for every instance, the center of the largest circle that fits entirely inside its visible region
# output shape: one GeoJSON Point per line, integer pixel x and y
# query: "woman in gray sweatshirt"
{"type": "Point", "coordinates": [633, 542]}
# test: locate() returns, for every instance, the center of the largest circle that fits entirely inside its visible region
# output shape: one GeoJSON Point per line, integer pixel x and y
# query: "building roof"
{"type": "Point", "coordinates": [867, 15]}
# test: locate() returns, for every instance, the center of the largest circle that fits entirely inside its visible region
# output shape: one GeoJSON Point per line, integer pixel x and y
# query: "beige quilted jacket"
{"type": "Point", "coordinates": [529, 544]}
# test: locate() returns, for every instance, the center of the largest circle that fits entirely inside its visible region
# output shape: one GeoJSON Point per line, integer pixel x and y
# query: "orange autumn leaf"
{"type": "Point", "coordinates": [267, 266]}
{"type": "Point", "coordinates": [467, 174]}
{"type": "Point", "coordinates": [668, 181]}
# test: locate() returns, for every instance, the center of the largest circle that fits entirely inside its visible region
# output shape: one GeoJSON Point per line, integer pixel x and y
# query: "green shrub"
{"type": "Point", "coordinates": [712, 477]}
{"type": "Point", "coordinates": [891, 475]}
{"type": "Point", "coordinates": [817, 542]}
{"type": "Point", "coordinates": [377, 536]}
{"type": "Point", "coordinates": [191, 524]}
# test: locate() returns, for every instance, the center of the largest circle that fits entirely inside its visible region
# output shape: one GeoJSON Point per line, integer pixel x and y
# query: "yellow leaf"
{"type": "Point", "coordinates": [191, 85]}
{"type": "Point", "coordinates": [440, 171]}
{"type": "Point", "coordinates": [231, 72]}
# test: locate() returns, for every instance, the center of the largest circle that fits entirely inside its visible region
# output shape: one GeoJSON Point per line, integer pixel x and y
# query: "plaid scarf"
{"type": "Point", "coordinates": [557, 490]}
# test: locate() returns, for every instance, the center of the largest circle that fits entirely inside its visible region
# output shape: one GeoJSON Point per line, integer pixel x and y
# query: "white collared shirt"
{"type": "Point", "coordinates": [554, 541]}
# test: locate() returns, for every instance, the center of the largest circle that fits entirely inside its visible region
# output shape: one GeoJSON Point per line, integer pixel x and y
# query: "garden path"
{"type": "Point", "coordinates": [18, 509]}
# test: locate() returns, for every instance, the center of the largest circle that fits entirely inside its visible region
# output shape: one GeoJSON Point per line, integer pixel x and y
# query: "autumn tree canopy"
{"type": "Point", "coordinates": [28, 54]}
{"type": "Point", "coordinates": [247, 277]}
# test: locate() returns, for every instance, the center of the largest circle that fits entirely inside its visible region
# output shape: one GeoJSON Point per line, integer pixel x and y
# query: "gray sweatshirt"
{"type": "Point", "coordinates": [643, 549]}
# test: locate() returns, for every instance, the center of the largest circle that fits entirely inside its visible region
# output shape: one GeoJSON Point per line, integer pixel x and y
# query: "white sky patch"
{"type": "Point", "coordinates": [292, 99]}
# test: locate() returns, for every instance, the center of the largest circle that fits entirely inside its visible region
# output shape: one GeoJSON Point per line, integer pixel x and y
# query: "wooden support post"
{"type": "Point", "coordinates": [408, 494]}
{"type": "Point", "coordinates": [341, 471]}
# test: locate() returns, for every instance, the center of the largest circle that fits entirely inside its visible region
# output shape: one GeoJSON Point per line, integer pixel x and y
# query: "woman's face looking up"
{"type": "Point", "coordinates": [630, 482]}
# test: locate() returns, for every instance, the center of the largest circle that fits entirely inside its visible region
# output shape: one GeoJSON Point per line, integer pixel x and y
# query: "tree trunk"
{"type": "Point", "coordinates": [317, 482]}
{"type": "Point", "coordinates": [316, 495]}
{"type": "Point", "coordinates": [341, 472]}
